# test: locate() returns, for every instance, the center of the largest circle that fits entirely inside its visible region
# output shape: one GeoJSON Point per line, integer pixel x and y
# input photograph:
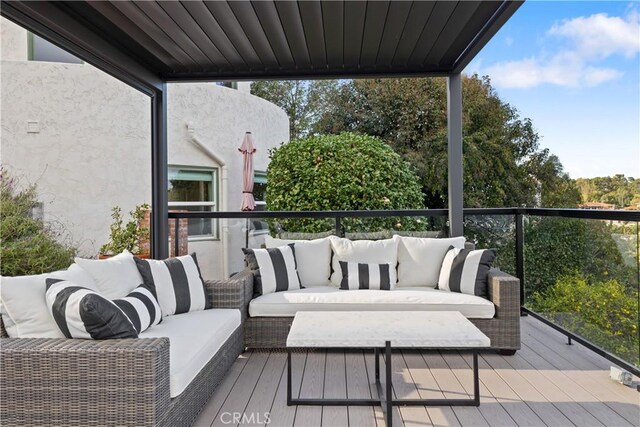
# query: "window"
{"type": "Point", "coordinates": [260, 187]}
{"type": "Point", "coordinates": [42, 50]}
{"type": "Point", "coordinates": [230, 85]}
{"type": "Point", "coordinates": [195, 190]}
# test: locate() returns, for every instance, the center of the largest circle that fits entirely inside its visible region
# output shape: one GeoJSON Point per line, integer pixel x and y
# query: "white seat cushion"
{"type": "Point", "coordinates": [328, 298]}
{"type": "Point", "coordinates": [195, 337]}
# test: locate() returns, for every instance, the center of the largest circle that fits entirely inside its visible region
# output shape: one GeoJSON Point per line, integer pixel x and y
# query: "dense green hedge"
{"type": "Point", "coordinates": [27, 245]}
{"type": "Point", "coordinates": [342, 172]}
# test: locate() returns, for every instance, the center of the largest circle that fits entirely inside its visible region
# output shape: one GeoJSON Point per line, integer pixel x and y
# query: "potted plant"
{"type": "Point", "coordinates": [126, 236]}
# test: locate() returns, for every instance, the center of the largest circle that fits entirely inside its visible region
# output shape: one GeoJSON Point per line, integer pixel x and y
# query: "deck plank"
{"type": "Point", "coordinates": [405, 388]}
{"type": "Point", "coordinates": [335, 386]}
{"type": "Point", "coordinates": [312, 387]}
{"type": "Point", "coordinates": [490, 408]}
{"type": "Point", "coordinates": [261, 400]}
{"type": "Point", "coordinates": [428, 389]}
{"type": "Point", "coordinates": [594, 380]}
{"type": "Point", "coordinates": [575, 412]}
{"type": "Point", "coordinates": [545, 383]}
{"type": "Point", "coordinates": [358, 388]}
{"type": "Point", "coordinates": [210, 411]}
{"type": "Point", "coordinates": [242, 390]}
{"type": "Point", "coordinates": [281, 414]}
{"type": "Point", "coordinates": [452, 389]}
{"type": "Point", "coordinates": [599, 410]}
{"type": "Point", "coordinates": [546, 410]}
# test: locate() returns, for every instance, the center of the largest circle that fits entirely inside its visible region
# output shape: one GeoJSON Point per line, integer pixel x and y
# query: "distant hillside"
{"type": "Point", "coordinates": [617, 190]}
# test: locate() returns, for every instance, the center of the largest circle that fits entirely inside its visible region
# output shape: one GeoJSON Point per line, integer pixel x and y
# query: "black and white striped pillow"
{"type": "Point", "coordinates": [141, 307]}
{"type": "Point", "coordinates": [367, 276]}
{"type": "Point", "coordinates": [274, 269]}
{"type": "Point", "coordinates": [465, 271]}
{"type": "Point", "coordinates": [177, 283]}
{"type": "Point", "coordinates": [82, 313]}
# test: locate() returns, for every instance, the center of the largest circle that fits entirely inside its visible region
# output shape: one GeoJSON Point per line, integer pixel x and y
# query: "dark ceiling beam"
{"type": "Point", "coordinates": [311, 74]}
{"type": "Point", "coordinates": [51, 22]}
{"type": "Point", "coordinates": [502, 15]}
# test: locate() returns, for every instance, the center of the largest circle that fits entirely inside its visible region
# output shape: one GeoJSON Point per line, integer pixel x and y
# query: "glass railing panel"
{"type": "Point", "coordinates": [583, 275]}
{"type": "Point", "coordinates": [494, 232]}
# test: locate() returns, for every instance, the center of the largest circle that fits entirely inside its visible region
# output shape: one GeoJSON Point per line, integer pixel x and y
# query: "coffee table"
{"type": "Point", "coordinates": [383, 331]}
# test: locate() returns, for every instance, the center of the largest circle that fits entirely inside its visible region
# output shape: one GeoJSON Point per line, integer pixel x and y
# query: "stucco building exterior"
{"type": "Point", "coordinates": [84, 138]}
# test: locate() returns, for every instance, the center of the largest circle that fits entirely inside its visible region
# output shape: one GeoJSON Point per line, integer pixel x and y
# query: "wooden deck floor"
{"type": "Point", "coordinates": [546, 383]}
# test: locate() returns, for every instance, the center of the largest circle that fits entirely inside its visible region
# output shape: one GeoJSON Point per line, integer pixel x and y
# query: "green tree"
{"type": "Point", "coordinates": [27, 245]}
{"type": "Point", "coordinates": [503, 164]}
{"type": "Point", "coordinates": [556, 247]}
{"type": "Point", "coordinates": [303, 101]}
{"type": "Point", "coordinates": [340, 172]}
{"type": "Point", "coordinates": [617, 190]}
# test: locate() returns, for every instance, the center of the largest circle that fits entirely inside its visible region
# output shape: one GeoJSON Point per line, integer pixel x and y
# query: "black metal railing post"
{"type": "Point", "coordinates": [338, 226]}
{"type": "Point", "coordinates": [520, 256]}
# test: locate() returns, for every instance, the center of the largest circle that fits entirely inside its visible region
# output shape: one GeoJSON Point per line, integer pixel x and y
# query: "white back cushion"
{"type": "Point", "coordinates": [115, 277]}
{"type": "Point", "coordinates": [420, 259]}
{"type": "Point", "coordinates": [23, 305]}
{"type": "Point", "coordinates": [361, 251]}
{"type": "Point", "coordinates": [312, 256]}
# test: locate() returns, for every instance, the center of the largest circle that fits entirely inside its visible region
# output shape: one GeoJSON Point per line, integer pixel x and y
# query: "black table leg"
{"type": "Point", "coordinates": [389, 393]}
{"type": "Point", "coordinates": [288, 377]}
{"type": "Point", "coordinates": [476, 381]}
{"type": "Point", "coordinates": [376, 356]}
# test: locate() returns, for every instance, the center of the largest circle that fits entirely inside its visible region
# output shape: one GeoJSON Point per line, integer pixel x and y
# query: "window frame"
{"type": "Point", "coordinates": [213, 204]}
{"type": "Point", "coordinates": [31, 50]}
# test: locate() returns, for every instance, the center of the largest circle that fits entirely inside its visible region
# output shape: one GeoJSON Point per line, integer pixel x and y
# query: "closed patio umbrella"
{"type": "Point", "coordinates": [247, 149]}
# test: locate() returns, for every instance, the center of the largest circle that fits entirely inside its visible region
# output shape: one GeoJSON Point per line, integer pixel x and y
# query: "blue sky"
{"type": "Point", "coordinates": [573, 68]}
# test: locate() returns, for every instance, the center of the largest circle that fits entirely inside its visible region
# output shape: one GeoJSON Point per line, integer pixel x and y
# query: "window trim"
{"type": "Point", "coordinates": [215, 196]}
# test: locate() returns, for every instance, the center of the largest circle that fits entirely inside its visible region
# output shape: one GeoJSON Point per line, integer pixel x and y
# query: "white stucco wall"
{"type": "Point", "coordinates": [13, 41]}
{"type": "Point", "coordinates": [92, 151]}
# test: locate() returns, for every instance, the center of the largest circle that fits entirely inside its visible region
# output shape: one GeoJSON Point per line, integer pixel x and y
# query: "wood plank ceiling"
{"type": "Point", "coordinates": [228, 40]}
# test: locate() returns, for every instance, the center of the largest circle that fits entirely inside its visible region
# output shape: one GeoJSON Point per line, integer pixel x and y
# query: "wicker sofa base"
{"type": "Point", "coordinates": [271, 332]}
{"type": "Point", "coordinates": [185, 408]}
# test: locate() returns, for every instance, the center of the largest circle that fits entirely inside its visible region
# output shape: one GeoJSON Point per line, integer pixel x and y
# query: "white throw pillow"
{"type": "Point", "coordinates": [23, 305]}
{"type": "Point", "coordinates": [361, 251]}
{"type": "Point", "coordinates": [420, 259]}
{"type": "Point", "coordinates": [312, 256]}
{"type": "Point", "coordinates": [115, 277]}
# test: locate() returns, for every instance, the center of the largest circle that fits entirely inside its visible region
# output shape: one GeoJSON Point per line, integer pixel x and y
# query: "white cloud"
{"type": "Point", "coordinates": [600, 35]}
{"type": "Point", "coordinates": [579, 44]}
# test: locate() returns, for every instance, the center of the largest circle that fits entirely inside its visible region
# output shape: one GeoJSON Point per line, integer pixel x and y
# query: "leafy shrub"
{"type": "Point", "coordinates": [126, 236]}
{"type": "Point", "coordinates": [604, 312]}
{"type": "Point", "coordinates": [342, 172]}
{"type": "Point", "coordinates": [27, 245]}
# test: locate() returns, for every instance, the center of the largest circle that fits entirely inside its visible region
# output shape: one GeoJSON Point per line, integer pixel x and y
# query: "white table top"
{"type": "Point", "coordinates": [353, 329]}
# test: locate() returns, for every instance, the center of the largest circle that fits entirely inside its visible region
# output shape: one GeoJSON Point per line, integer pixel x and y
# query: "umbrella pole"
{"type": "Point", "coordinates": [246, 234]}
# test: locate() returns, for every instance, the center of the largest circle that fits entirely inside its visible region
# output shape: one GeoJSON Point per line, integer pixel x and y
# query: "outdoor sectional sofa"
{"type": "Point", "coordinates": [269, 317]}
{"type": "Point", "coordinates": [127, 382]}
{"type": "Point", "coordinates": [503, 328]}
{"type": "Point", "coordinates": [167, 375]}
